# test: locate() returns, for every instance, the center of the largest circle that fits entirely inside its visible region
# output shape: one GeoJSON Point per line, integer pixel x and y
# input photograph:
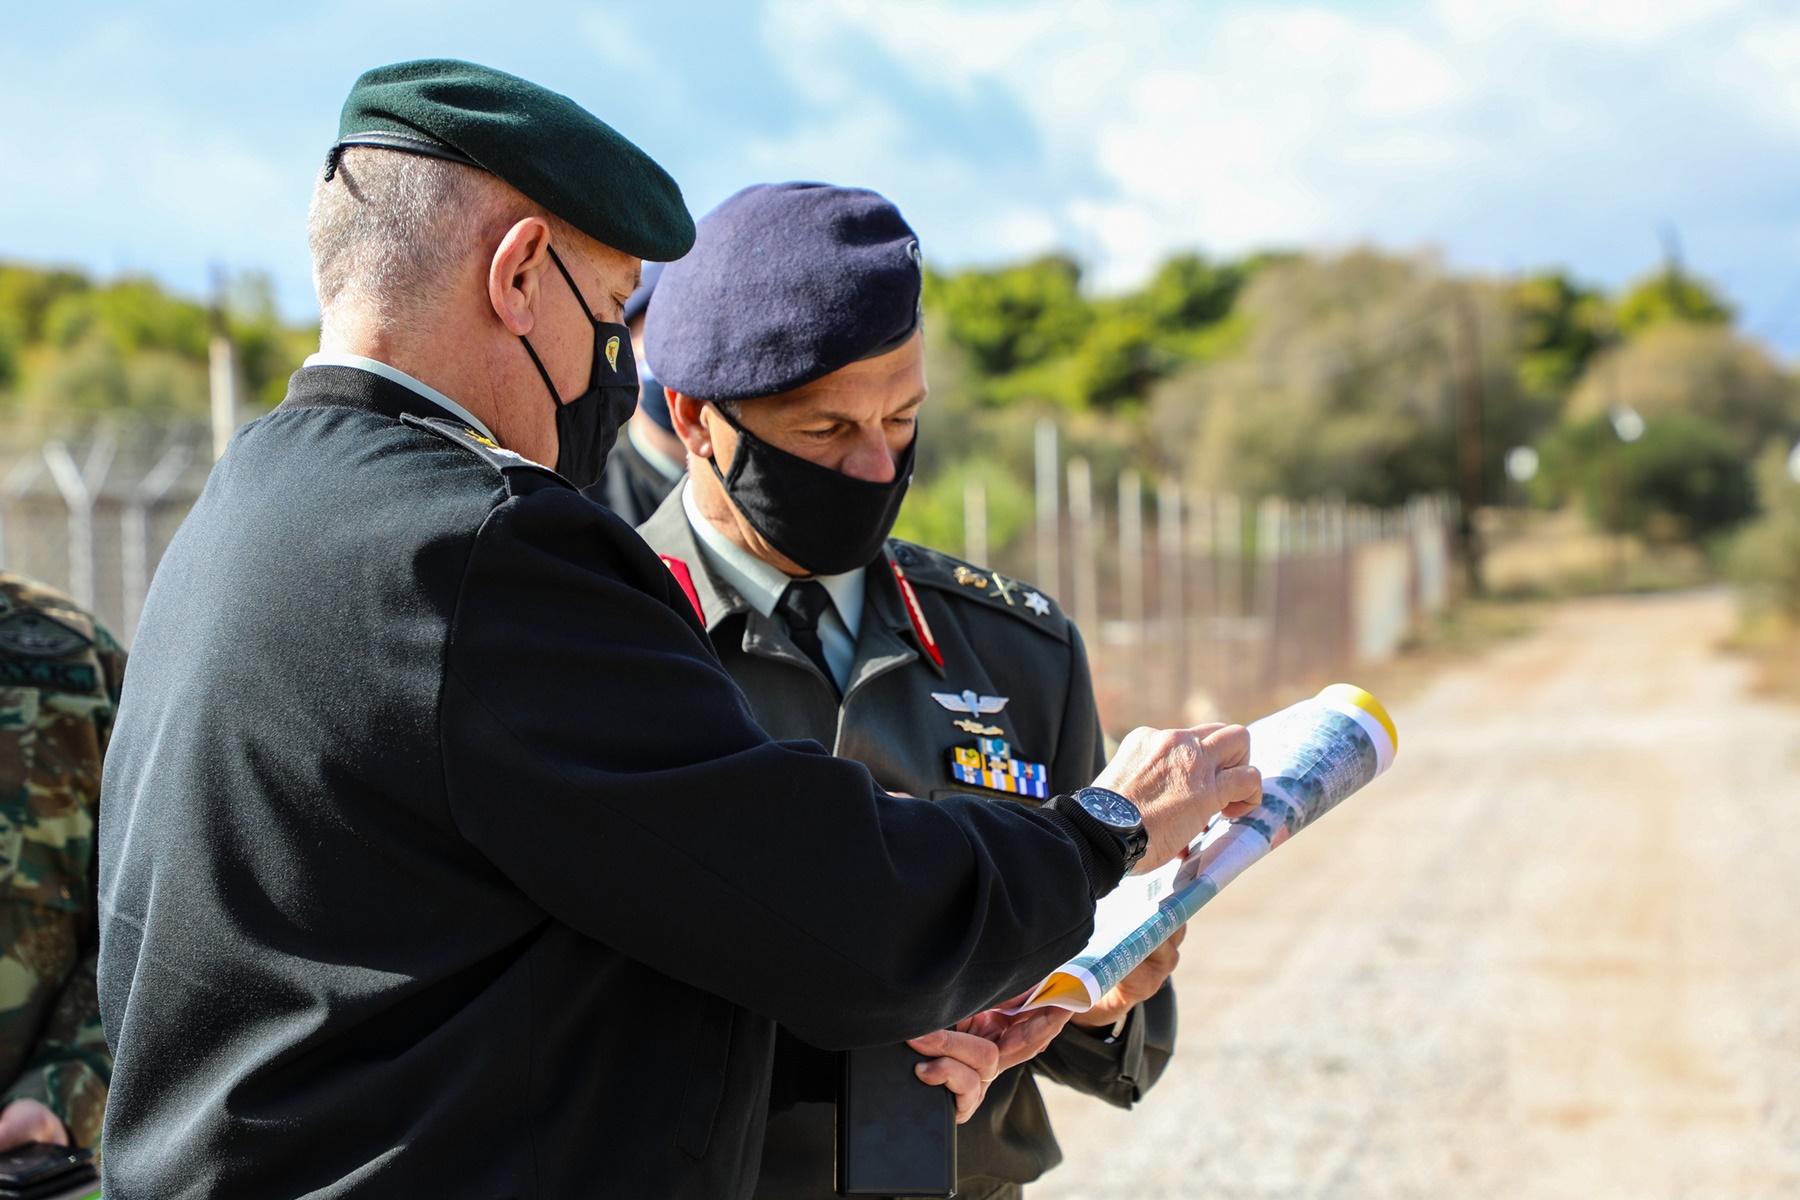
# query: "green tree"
{"type": "Point", "coordinates": [1188, 292]}
{"type": "Point", "coordinates": [1683, 369]}
{"type": "Point", "coordinates": [1561, 325]}
{"type": "Point", "coordinates": [1683, 478]}
{"type": "Point", "coordinates": [1670, 294]}
{"type": "Point", "coordinates": [1012, 317]}
{"type": "Point", "coordinates": [1766, 556]}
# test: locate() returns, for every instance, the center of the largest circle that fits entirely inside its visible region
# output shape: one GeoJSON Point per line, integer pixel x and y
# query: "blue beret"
{"type": "Point", "coordinates": [539, 141]}
{"type": "Point", "coordinates": [640, 299]}
{"type": "Point", "coordinates": [786, 283]}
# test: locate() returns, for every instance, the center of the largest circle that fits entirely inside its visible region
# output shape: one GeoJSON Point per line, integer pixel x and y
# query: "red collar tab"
{"type": "Point", "coordinates": [920, 625]}
{"type": "Point", "coordinates": [685, 578]}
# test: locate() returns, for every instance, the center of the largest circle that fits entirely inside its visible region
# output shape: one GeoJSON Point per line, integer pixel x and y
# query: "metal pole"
{"type": "Point", "coordinates": [1203, 607]}
{"type": "Point", "coordinates": [1086, 565]}
{"type": "Point", "coordinates": [975, 522]}
{"type": "Point", "coordinates": [1228, 595]}
{"type": "Point", "coordinates": [1172, 617]}
{"type": "Point", "coordinates": [1469, 423]}
{"type": "Point", "coordinates": [1271, 536]}
{"type": "Point", "coordinates": [1131, 572]}
{"type": "Point", "coordinates": [1048, 569]}
{"type": "Point", "coordinates": [134, 533]}
{"type": "Point", "coordinates": [222, 359]}
{"type": "Point", "coordinates": [80, 487]}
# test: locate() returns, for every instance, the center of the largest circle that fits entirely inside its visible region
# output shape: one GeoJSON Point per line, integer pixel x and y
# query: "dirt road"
{"type": "Point", "coordinates": [1555, 953]}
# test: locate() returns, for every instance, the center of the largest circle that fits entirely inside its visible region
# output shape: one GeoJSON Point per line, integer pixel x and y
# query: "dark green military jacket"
{"type": "Point", "coordinates": [440, 857]}
{"type": "Point", "coordinates": [59, 688]}
{"type": "Point", "coordinates": [996, 638]}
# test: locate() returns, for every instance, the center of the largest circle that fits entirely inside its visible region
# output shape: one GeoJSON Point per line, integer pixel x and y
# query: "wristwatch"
{"type": "Point", "coordinates": [1110, 821]}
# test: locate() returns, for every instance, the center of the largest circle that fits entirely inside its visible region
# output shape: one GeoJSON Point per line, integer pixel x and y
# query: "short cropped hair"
{"type": "Point", "coordinates": [390, 231]}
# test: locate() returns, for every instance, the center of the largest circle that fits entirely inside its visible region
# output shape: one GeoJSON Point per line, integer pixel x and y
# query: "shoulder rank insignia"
{"type": "Point", "coordinates": [989, 764]}
{"type": "Point", "coordinates": [968, 702]}
{"type": "Point", "coordinates": [1036, 603]}
{"type": "Point", "coordinates": [34, 635]}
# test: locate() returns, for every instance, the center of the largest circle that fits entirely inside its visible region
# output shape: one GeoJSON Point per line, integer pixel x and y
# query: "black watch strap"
{"type": "Point", "coordinates": [1102, 850]}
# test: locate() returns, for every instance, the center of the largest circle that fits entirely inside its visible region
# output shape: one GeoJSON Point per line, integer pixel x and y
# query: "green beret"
{"type": "Point", "coordinates": [539, 141]}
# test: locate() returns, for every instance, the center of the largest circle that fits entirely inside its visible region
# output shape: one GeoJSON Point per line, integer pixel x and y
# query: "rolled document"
{"type": "Point", "coordinates": [1312, 756]}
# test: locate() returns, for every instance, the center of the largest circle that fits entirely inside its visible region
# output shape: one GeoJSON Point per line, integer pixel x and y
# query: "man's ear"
{"type": "Point", "coordinates": [516, 274]}
{"type": "Point", "coordinates": [685, 411]}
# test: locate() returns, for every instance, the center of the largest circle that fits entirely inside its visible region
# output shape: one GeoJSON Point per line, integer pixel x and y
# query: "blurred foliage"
{"type": "Point", "coordinates": [1766, 557]}
{"type": "Point", "coordinates": [1561, 325]}
{"type": "Point", "coordinates": [1316, 375]}
{"type": "Point", "coordinates": [1704, 371]}
{"type": "Point", "coordinates": [1341, 381]}
{"type": "Point", "coordinates": [1670, 294]}
{"type": "Point", "coordinates": [1302, 374]}
{"type": "Point", "coordinates": [75, 351]}
{"type": "Point", "coordinates": [1684, 479]}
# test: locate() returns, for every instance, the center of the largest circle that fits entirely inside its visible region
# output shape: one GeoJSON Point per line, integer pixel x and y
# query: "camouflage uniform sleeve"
{"type": "Point", "coordinates": [1121, 1068]}
{"type": "Point", "coordinates": [69, 1067]}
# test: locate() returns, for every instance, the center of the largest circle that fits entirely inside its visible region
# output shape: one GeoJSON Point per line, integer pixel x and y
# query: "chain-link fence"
{"type": "Point", "coordinates": [94, 517]}
{"type": "Point", "coordinates": [1195, 604]}
{"type": "Point", "coordinates": [1192, 603]}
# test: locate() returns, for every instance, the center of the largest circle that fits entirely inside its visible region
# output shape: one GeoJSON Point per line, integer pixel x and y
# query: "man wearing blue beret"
{"type": "Point", "coordinates": [439, 856]}
{"type": "Point", "coordinates": [649, 460]}
{"type": "Point", "coordinates": [792, 353]}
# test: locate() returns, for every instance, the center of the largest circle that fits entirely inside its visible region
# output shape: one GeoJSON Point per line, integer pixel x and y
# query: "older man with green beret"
{"type": "Point", "coordinates": [439, 855]}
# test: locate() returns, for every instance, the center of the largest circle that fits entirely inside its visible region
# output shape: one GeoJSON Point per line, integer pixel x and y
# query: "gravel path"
{"type": "Point", "coordinates": [1555, 953]}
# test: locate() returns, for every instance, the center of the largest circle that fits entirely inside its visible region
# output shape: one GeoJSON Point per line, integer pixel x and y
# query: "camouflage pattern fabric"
{"type": "Point", "coordinates": [59, 689]}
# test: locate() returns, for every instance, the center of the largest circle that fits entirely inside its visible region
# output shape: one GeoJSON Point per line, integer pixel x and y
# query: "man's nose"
{"type": "Point", "coordinates": [870, 460]}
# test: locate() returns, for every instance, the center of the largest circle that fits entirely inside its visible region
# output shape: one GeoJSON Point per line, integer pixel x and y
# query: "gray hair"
{"type": "Point", "coordinates": [391, 231]}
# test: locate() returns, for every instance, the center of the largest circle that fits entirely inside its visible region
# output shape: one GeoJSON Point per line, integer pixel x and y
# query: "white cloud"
{"type": "Point", "coordinates": [1495, 127]}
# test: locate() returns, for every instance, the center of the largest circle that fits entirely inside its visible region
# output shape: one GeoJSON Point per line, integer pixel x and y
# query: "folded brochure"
{"type": "Point", "coordinates": [1312, 756]}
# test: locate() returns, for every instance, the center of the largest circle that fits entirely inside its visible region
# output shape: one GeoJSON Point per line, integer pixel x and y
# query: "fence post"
{"type": "Point", "coordinates": [1081, 529]}
{"type": "Point", "coordinates": [1048, 570]}
{"type": "Point", "coordinates": [1171, 617]}
{"type": "Point", "coordinates": [1131, 573]}
{"type": "Point", "coordinates": [1271, 536]}
{"type": "Point", "coordinates": [80, 487]}
{"type": "Point", "coordinates": [134, 534]}
{"type": "Point", "coordinates": [975, 522]}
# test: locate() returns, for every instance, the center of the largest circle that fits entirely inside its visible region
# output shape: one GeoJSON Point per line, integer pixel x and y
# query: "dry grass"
{"type": "Point", "coordinates": [1549, 555]}
{"type": "Point", "coordinates": [1771, 641]}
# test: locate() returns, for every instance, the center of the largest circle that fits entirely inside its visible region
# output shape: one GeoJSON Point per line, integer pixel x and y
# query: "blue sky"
{"type": "Point", "coordinates": [1509, 133]}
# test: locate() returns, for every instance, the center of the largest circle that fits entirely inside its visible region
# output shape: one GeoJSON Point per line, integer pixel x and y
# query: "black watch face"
{"type": "Point", "coordinates": [1109, 808]}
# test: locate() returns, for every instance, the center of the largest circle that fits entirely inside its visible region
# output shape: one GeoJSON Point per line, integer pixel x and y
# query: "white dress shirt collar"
{"type": "Point", "coordinates": [396, 375]}
{"type": "Point", "coordinates": [761, 584]}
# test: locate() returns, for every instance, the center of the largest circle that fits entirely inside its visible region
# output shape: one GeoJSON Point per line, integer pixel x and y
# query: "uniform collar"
{"type": "Point", "coordinates": [761, 584]}
{"type": "Point", "coordinates": [395, 375]}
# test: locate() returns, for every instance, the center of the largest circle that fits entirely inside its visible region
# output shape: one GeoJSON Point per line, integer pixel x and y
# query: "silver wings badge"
{"type": "Point", "coordinates": [969, 702]}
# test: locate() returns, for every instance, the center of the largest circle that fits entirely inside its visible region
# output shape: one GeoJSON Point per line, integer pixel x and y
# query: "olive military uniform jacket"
{"type": "Point", "coordinates": [440, 857]}
{"type": "Point", "coordinates": [997, 638]}
{"type": "Point", "coordinates": [59, 688]}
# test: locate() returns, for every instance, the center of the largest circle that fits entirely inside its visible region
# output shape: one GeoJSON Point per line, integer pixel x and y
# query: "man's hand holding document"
{"type": "Point", "coordinates": [1312, 756]}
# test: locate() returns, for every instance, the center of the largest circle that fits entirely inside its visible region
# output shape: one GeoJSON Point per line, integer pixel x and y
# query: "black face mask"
{"type": "Point", "coordinates": [824, 520]}
{"type": "Point", "coordinates": [588, 425]}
